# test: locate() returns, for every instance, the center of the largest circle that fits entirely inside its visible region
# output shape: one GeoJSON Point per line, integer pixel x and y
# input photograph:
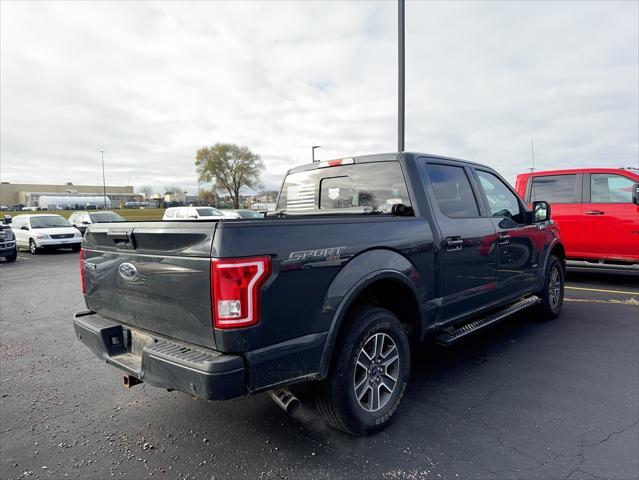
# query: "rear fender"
{"type": "Point", "coordinates": [355, 276]}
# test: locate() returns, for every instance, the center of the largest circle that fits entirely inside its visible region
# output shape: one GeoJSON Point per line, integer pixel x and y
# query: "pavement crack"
{"type": "Point", "coordinates": [610, 435]}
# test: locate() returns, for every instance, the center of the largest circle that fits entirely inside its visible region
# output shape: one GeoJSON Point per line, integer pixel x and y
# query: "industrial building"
{"type": "Point", "coordinates": [28, 195]}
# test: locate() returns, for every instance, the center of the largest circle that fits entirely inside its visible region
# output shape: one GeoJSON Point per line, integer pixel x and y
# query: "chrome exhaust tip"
{"type": "Point", "coordinates": [285, 400]}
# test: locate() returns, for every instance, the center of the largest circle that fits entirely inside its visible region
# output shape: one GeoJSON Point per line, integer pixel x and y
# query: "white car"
{"type": "Point", "coordinates": [193, 213]}
{"type": "Point", "coordinates": [43, 230]}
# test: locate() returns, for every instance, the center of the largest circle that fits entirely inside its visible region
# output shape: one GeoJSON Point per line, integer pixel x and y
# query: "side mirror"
{"type": "Point", "coordinates": [191, 215]}
{"type": "Point", "coordinates": [635, 194]}
{"type": "Point", "coordinates": [24, 227]}
{"type": "Point", "coordinates": [541, 211]}
{"type": "Point", "coordinates": [85, 223]}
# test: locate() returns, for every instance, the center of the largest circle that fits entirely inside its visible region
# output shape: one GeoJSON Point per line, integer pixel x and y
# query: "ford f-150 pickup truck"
{"type": "Point", "coordinates": [362, 260]}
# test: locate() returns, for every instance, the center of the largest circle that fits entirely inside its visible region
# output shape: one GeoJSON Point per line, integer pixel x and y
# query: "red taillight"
{"type": "Point", "coordinates": [84, 288]}
{"type": "Point", "coordinates": [235, 290]}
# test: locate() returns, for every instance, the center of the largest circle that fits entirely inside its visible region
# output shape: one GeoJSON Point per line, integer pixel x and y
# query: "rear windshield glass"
{"type": "Point", "coordinates": [106, 217]}
{"type": "Point", "coordinates": [378, 185]}
{"type": "Point", "coordinates": [208, 212]}
{"type": "Point", "coordinates": [49, 221]}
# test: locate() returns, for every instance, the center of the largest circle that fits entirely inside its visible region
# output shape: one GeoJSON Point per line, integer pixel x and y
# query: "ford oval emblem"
{"type": "Point", "coordinates": [128, 271]}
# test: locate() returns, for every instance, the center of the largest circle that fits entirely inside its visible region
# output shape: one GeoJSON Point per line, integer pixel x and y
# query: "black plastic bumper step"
{"type": "Point", "coordinates": [451, 335]}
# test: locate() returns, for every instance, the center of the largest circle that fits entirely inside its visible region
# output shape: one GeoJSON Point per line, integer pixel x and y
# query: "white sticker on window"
{"type": "Point", "coordinates": [333, 193]}
{"type": "Point", "coordinates": [300, 197]}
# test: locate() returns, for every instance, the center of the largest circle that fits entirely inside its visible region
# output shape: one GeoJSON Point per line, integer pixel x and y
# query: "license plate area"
{"type": "Point", "coordinates": [131, 359]}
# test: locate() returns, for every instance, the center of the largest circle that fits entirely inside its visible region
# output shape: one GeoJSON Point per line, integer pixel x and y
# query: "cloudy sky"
{"type": "Point", "coordinates": [151, 83]}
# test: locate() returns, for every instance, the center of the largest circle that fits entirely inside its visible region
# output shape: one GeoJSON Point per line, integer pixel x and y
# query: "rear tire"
{"type": "Point", "coordinates": [368, 374]}
{"type": "Point", "coordinates": [552, 296]}
{"type": "Point", "coordinates": [33, 248]}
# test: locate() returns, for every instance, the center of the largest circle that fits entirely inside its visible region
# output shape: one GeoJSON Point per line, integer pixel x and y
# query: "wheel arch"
{"type": "Point", "coordinates": [389, 280]}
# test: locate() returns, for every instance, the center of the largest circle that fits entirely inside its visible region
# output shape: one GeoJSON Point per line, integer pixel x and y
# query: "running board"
{"type": "Point", "coordinates": [452, 334]}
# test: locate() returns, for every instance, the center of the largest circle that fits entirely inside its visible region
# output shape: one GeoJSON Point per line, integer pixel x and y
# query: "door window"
{"type": "Point", "coordinates": [501, 200]}
{"type": "Point", "coordinates": [453, 192]}
{"type": "Point", "coordinates": [554, 189]}
{"type": "Point", "coordinates": [610, 188]}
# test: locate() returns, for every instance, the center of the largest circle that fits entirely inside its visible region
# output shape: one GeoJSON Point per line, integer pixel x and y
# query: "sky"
{"type": "Point", "coordinates": [151, 83]}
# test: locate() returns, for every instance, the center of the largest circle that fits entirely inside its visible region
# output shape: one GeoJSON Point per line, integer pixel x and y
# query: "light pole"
{"type": "Point", "coordinates": [103, 179]}
{"type": "Point", "coordinates": [400, 75]}
{"type": "Point", "coordinates": [313, 151]}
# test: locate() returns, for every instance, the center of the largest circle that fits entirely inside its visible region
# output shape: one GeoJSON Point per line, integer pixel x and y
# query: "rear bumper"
{"type": "Point", "coordinates": [162, 363]}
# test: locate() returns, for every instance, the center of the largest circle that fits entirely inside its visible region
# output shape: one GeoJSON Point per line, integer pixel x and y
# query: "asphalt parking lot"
{"type": "Point", "coordinates": [524, 399]}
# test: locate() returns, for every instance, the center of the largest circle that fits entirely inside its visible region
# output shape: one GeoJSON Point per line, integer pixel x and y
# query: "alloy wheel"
{"type": "Point", "coordinates": [376, 372]}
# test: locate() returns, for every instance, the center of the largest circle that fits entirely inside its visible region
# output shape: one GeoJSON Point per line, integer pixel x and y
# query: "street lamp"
{"type": "Point", "coordinates": [313, 151]}
{"type": "Point", "coordinates": [103, 179]}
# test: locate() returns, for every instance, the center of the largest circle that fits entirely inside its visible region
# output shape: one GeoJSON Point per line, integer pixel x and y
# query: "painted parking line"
{"type": "Point", "coordinates": [621, 292]}
{"type": "Point", "coordinates": [626, 301]}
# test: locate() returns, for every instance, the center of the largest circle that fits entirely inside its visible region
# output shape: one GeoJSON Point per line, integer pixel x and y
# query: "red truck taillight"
{"type": "Point", "coordinates": [235, 290]}
{"type": "Point", "coordinates": [84, 288]}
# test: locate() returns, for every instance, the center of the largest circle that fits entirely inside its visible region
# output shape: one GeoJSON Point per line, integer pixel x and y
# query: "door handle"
{"type": "Point", "coordinates": [454, 243]}
{"type": "Point", "coordinates": [595, 212]}
{"type": "Point", "coordinates": [504, 239]}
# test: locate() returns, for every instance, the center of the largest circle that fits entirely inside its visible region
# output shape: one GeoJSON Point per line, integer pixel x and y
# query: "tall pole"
{"type": "Point", "coordinates": [532, 151]}
{"type": "Point", "coordinates": [103, 180]}
{"type": "Point", "coordinates": [313, 151]}
{"type": "Point", "coordinates": [400, 79]}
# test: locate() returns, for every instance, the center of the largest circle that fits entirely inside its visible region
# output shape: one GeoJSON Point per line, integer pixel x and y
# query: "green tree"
{"type": "Point", "coordinates": [230, 167]}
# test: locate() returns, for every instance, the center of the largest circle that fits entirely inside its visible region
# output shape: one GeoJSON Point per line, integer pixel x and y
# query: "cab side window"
{"type": "Point", "coordinates": [501, 200]}
{"type": "Point", "coordinates": [555, 189]}
{"type": "Point", "coordinates": [610, 188]}
{"type": "Point", "coordinates": [452, 190]}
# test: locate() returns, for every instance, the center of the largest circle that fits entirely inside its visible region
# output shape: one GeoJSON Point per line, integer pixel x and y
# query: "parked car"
{"type": "Point", "coordinates": [597, 210]}
{"type": "Point", "coordinates": [8, 247]}
{"type": "Point", "coordinates": [364, 258]}
{"type": "Point", "coordinates": [81, 220]}
{"type": "Point", "coordinates": [40, 231]}
{"type": "Point", "coordinates": [242, 214]}
{"type": "Point", "coordinates": [192, 213]}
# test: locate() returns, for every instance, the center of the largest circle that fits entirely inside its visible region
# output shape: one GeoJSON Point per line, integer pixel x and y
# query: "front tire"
{"type": "Point", "coordinates": [13, 256]}
{"type": "Point", "coordinates": [552, 296]}
{"type": "Point", "coordinates": [368, 375]}
{"type": "Point", "coordinates": [75, 248]}
{"type": "Point", "coordinates": [33, 248]}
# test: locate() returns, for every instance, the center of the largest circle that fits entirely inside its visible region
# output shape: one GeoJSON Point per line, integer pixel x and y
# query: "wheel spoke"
{"type": "Point", "coordinates": [392, 350]}
{"type": "Point", "coordinates": [387, 362]}
{"type": "Point", "coordinates": [375, 397]}
{"type": "Point", "coordinates": [388, 382]}
{"type": "Point", "coordinates": [361, 387]}
{"type": "Point", "coordinates": [379, 345]}
{"type": "Point", "coordinates": [364, 362]}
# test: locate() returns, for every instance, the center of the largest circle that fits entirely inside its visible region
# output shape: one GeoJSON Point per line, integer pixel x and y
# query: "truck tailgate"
{"type": "Point", "coordinates": [152, 275]}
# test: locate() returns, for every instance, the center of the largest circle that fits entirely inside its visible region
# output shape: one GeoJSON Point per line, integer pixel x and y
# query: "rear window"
{"type": "Point", "coordinates": [376, 185]}
{"type": "Point", "coordinates": [105, 217]}
{"type": "Point", "coordinates": [554, 189]}
{"type": "Point", "coordinates": [208, 212]}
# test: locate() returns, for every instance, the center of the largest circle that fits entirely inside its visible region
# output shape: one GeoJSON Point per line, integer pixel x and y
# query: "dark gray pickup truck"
{"type": "Point", "coordinates": [363, 259]}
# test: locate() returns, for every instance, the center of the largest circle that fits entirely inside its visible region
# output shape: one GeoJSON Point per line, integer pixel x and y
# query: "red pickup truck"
{"type": "Point", "coordinates": [597, 210]}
